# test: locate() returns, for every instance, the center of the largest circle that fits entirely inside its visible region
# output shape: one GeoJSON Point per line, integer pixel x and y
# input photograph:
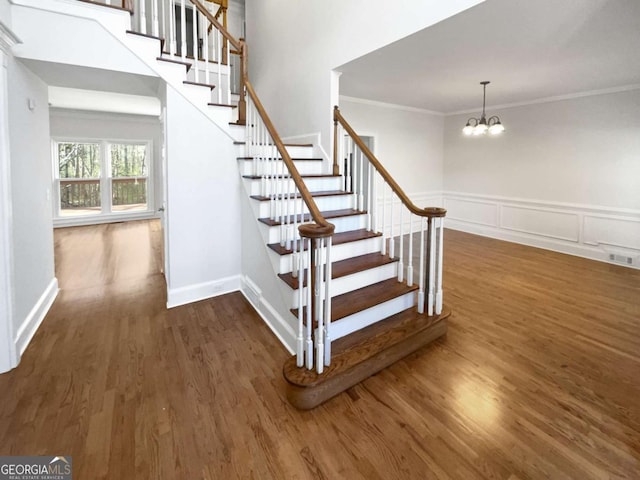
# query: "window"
{"type": "Point", "coordinates": [102, 177]}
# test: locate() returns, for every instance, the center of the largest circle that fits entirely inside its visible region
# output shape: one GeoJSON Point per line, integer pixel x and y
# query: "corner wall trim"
{"type": "Point", "coordinates": [202, 291]}
{"type": "Point", "coordinates": [30, 325]}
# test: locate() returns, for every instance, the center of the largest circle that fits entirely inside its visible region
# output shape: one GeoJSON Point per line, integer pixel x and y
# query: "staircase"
{"type": "Point", "coordinates": [374, 320]}
{"type": "Point", "coordinates": [339, 235]}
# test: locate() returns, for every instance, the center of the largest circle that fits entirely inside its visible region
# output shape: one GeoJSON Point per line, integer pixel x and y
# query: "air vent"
{"type": "Point", "coordinates": [621, 259]}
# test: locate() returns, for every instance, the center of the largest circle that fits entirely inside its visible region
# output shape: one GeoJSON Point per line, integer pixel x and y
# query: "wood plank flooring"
{"type": "Point", "coordinates": [538, 377]}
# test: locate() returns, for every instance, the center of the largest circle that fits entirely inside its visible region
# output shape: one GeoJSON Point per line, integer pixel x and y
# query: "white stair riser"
{"type": "Point", "coordinates": [313, 184]}
{"type": "Point", "coordinates": [145, 47]}
{"type": "Point", "coordinates": [334, 202]}
{"type": "Point", "coordinates": [173, 73]}
{"type": "Point", "coordinates": [367, 317]}
{"type": "Point", "coordinates": [197, 94]}
{"type": "Point", "coordinates": [342, 224]}
{"type": "Point", "coordinates": [213, 73]}
{"type": "Point", "coordinates": [304, 167]}
{"type": "Point", "coordinates": [269, 151]}
{"type": "Point", "coordinates": [354, 281]}
{"type": "Point", "coordinates": [221, 114]}
{"type": "Point", "coordinates": [283, 263]}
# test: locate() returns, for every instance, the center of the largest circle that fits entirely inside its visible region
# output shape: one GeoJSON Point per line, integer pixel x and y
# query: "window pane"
{"type": "Point", "coordinates": [128, 160]}
{"type": "Point", "coordinates": [79, 197]}
{"type": "Point", "coordinates": [79, 160]}
{"type": "Point", "coordinates": [128, 194]}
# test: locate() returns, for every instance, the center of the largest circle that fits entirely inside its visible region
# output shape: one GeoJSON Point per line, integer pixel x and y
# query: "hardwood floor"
{"type": "Point", "coordinates": [538, 377]}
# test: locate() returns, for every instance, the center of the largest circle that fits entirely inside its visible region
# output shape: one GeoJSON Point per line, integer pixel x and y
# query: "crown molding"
{"type": "Point", "coordinates": [394, 106]}
{"type": "Point", "coordinates": [557, 98]}
{"type": "Point", "coordinates": [7, 38]}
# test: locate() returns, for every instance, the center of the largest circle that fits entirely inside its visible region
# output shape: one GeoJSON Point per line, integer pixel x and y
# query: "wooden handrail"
{"type": "Point", "coordinates": [225, 33]}
{"type": "Point", "coordinates": [322, 228]}
{"type": "Point", "coordinates": [429, 212]}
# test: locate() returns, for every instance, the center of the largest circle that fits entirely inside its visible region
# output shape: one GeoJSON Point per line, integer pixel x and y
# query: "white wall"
{"type": "Point", "coordinates": [34, 282]}
{"type": "Point", "coordinates": [203, 207]}
{"type": "Point", "coordinates": [5, 13]}
{"type": "Point", "coordinates": [408, 143]}
{"type": "Point", "coordinates": [75, 124]}
{"type": "Point", "coordinates": [565, 175]}
{"type": "Point", "coordinates": [294, 45]}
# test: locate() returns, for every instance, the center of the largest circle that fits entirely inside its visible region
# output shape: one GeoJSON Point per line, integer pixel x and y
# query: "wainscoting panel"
{"type": "Point", "coordinates": [600, 233]}
{"type": "Point", "coordinates": [472, 211]}
{"type": "Point", "coordinates": [536, 221]}
{"type": "Point", "coordinates": [618, 232]}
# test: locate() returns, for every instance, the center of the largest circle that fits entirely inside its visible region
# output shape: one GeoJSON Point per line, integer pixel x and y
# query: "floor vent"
{"type": "Point", "coordinates": [621, 259]}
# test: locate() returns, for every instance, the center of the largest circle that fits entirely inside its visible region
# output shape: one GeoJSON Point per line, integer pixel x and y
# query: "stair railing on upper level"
{"type": "Point", "coordinates": [391, 212]}
{"type": "Point", "coordinates": [193, 33]}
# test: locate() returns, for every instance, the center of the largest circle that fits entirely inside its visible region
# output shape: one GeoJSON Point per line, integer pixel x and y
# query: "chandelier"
{"type": "Point", "coordinates": [482, 126]}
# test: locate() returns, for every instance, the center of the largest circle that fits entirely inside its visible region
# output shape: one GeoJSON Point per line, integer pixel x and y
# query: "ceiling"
{"type": "Point", "coordinates": [529, 50]}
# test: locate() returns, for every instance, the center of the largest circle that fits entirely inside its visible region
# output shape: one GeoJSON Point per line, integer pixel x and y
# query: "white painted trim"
{"type": "Point", "coordinates": [7, 38]}
{"type": "Point", "coordinates": [278, 325]}
{"type": "Point", "coordinates": [36, 316]}
{"type": "Point", "coordinates": [62, 222]}
{"type": "Point", "coordinates": [557, 98]}
{"type": "Point", "coordinates": [202, 291]}
{"type": "Point", "coordinates": [394, 106]}
{"type": "Point", "coordinates": [541, 225]}
{"type": "Point", "coordinates": [8, 353]}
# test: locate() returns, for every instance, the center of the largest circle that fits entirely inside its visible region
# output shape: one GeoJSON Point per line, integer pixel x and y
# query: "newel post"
{"type": "Point", "coordinates": [433, 274]}
{"type": "Point", "coordinates": [336, 168]}
{"type": "Point", "coordinates": [242, 102]}
{"type": "Point", "coordinates": [318, 299]}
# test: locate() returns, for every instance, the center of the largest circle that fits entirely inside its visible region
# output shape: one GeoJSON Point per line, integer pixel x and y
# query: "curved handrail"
{"type": "Point", "coordinates": [430, 212]}
{"type": "Point", "coordinates": [326, 227]}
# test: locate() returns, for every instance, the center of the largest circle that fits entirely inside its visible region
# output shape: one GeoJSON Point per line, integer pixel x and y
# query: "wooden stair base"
{"type": "Point", "coordinates": [362, 354]}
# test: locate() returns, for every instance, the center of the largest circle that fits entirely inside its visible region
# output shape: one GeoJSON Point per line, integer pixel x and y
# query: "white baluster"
{"type": "Point", "coordinates": [372, 202]}
{"type": "Point", "coordinates": [228, 73]}
{"type": "Point", "coordinates": [281, 196]}
{"type": "Point", "coordinates": [299, 268]}
{"type": "Point", "coordinates": [354, 173]}
{"type": "Point", "coordinates": [439, 260]}
{"type": "Point", "coordinates": [183, 30]}
{"type": "Point", "coordinates": [309, 322]}
{"type": "Point", "coordinates": [422, 269]}
{"type": "Point", "coordinates": [401, 256]}
{"type": "Point", "coordinates": [219, 84]}
{"type": "Point", "coordinates": [319, 307]}
{"type": "Point", "coordinates": [432, 265]}
{"type": "Point", "coordinates": [361, 182]}
{"type": "Point", "coordinates": [410, 253]}
{"type": "Point", "coordinates": [207, 75]}
{"type": "Point", "coordinates": [327, 308]}
{"type": "Point", "coordinates": [163, 33]}
{"type": "Point", "coordinates": [196, 65]}
{"type": "Point", "coordinates": [154, 18]}
{"type": "Point", "coordinates": [384, 207]}
{"type": "Point", "coordinates": [143, 17]}
{"type": "Point", "coordinates": [392, 242]}
{"type": "Point", "coordinates": [173, 48]}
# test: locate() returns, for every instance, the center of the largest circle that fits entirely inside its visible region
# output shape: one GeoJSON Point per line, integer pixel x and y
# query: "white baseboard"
{"type": "Point", "coordinates": [271, 317]}
{"type": "Point", "coordinates": [588, 231]}
{"type": "Point", "coordinates": [30, 325]}
{"type": "Point", "coordinates": [202, 291]}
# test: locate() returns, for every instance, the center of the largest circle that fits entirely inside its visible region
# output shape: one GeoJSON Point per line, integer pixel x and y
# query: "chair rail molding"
{"type": "Point", "coordinates": [590, 231]}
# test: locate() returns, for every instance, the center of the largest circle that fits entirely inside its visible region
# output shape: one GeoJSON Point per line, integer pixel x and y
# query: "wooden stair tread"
{"type": "Point", "coordinates": [366, 297]}
{"type": "Point", "coordinates": [211, 104]}
{"type": "Point", "coordinates": [338, 239]}
{"type": "Point", "coordinates": [146, 35]}
{"type": "Point", "coordinates": [362, 354]}
{"type": "Point", "coordinates": [177, 62]}
{"type": "Point", "coordinates": [190, 57]}
{"type": "Point", "coordinates": [326, 193]}
{"type": "Point", "coordinates": [199, 84]}
{"type": "Point", "coordinates": [345, 212]}
{"type": "Point", "coordinates": [345, 267]}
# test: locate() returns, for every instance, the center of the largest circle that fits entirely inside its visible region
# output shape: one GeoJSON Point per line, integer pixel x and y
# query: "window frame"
{"type": "Point", "coordinates": [105, 180]}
